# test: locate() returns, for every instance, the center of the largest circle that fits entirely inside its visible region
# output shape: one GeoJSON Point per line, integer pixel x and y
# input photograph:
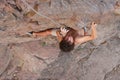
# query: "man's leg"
{"type": "Point", "coordinates": [44, 33]}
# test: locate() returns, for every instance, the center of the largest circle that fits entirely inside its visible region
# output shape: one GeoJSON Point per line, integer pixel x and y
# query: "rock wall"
{"type": "Point", "coordinates": [26, 58]}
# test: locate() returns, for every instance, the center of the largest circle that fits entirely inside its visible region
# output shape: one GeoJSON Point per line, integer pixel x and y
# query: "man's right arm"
{"type": "Point", "coordinates": [90, 37]}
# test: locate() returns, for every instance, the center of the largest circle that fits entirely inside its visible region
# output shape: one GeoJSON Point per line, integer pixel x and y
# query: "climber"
{"type": "Point", "coordinates": [68, 37]}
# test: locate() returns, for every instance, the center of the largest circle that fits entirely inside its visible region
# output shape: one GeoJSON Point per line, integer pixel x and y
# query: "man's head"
{"type": "Point", "coordinates": [67, 44]}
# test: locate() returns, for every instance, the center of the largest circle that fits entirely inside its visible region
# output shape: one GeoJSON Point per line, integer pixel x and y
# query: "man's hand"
{"type": "Point", "coordinates": [63, 31]}
{"type": "Point", "coordinates": [93, 24]}
{"type": "Point", "coordinates": [93, 27]}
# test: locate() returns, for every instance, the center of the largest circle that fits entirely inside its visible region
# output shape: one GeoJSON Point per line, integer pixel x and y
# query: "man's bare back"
{"type": "Point", "coordinates": [68, 37]}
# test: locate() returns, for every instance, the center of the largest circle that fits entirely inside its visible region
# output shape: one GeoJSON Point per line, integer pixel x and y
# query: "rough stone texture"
{"type": "Point", "coordinates": [4, 58]}
{"type": "Point", "coordinates": [113, 74]}
{"type": "Point", "coordinates": [26, 58]}
{"type": "Point", "coordinates": [91, 67]}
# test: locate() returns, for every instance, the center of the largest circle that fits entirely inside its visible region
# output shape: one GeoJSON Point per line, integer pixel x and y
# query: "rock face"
{"type": "Point", "coordinates": [94, 66]}
{"type": "Point", "coordinates": [26, 58]}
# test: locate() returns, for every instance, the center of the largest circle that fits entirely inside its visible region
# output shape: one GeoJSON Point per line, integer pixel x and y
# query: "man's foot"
{"type": "Point", "coordinates": [30, 33]}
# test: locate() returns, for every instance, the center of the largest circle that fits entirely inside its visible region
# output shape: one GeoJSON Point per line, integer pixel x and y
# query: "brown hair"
{"type": "Point", "coordinates": [67, 44]}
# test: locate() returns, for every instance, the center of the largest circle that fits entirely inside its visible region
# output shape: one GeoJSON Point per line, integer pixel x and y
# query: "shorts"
{"type": "Point", "coordinates": [54, 32]}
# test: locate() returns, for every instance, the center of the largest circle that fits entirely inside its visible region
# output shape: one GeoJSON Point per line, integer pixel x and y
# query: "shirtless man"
{"type": "Point", "coordinates": [68, 37]}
